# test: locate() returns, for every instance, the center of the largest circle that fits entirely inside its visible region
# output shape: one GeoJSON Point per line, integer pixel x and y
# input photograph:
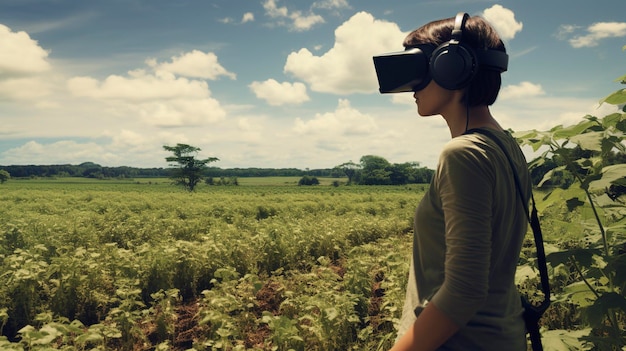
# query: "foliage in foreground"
{"type": "Point", "coordinates": [589, 275]}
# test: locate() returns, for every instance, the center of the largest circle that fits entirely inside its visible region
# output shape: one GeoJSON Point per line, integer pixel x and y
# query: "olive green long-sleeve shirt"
{"type": "Point", "coordinates": [469, 229]}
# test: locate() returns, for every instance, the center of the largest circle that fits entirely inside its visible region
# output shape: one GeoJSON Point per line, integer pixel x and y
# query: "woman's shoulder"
{"type": "Point", "coordinates": [471, 143]}
{"type": "Point", "coordinates": [480, 139]}
{"type": "Point", "coordinates": [475, 150]}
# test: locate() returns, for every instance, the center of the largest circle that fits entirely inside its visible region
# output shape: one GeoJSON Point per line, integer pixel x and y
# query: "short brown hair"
{"type": "Point", "coordinates": [477, 34]}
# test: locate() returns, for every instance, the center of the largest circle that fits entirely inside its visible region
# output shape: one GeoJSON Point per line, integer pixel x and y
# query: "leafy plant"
{"type": "Point", "coordinates": [592, 154]}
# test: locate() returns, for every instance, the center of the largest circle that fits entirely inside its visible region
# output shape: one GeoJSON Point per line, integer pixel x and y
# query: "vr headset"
{"type": "Point", "coordinates": [452, 64]}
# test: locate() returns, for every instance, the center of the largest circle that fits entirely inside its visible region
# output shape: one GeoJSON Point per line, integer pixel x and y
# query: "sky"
{"type": "Point", "coordinates": [273, 83]}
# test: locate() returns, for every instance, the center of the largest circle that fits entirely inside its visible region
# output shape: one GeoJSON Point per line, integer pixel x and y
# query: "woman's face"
{"type": "Point", "coordinates": [433, 99]}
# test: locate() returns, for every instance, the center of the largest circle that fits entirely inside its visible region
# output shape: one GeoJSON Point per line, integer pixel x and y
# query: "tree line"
{"type": "Point", "coordinates": [93, 170]}
{"type": "Point", "coordinates": [371, 170]}
{"type": "Point", "coordinates": [187, 170]}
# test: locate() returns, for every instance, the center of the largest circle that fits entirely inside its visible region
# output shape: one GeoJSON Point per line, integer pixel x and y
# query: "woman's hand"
{"type": "Point", "coordinates": [429, 331]}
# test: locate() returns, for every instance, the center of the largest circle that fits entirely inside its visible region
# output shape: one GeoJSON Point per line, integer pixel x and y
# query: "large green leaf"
{"type": "Point", "coordinates": [534, 138]}
{"type": "Point", "coordinates": [589, 141]}
{"type": "Point", "coordinates": [612, 120]}
{"type": "Point", "coordinates": [584, 257]}
{"type": "Point", "coordinates": [558, 196]}
{"type": "Point", "coordinates": [525, 272]}
{"type": "Point", "coordinates": [576, 129]}
{"type": "Point", "coordinates": [565, 340]}
{"type": "Point", "coordinates": [617, 98]}
{"type": "Point", "coordinates": [579, 294]}
{"type": "Point", "coordinates": [613, 174]}
{"type": "Point", "coordinates": [607, 301]}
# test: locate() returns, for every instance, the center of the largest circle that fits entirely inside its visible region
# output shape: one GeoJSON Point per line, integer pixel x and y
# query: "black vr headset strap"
{"type": "Point", "coordinates": [494, 60]}
{"type": "Point", "coordinates": [532, 313]}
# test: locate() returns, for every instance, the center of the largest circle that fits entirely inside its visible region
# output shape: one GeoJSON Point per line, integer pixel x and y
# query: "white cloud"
{"type": "Point", "coordinates": [277, 94]}
{"type": "Point", "coordinates": [331, 4]}
{"type": "Point", "coordinates": [180, 112]}
{"type": "Point", "coordinates": [272, 10]}
{"type": "Point", "coordinates": [503, 20]}
{"type": "Point", "coordinates": [244, 124]}
{"type": "Point", "coordinates": [139, 85]}
{"type": "Point", "coordinates": [345, 120]}
{"type": "Point", "coordinates": [347, 67]}
{"type": "Point", "coordinates": [20, 55]}
{"type": "Point", "coordinates": [122, 148]}
{"type": "Point", "coordinates": [302, 23]}
{"type": "Point", "coordinates": [403, 99]}
{"type": "Point", "coordinates": [299, 21]}
{"type": "Point", "coordinates": [522, 90]}
{"type": "Point", "coordinates": [129, 141]}
{"type": "Point", "coordinates": [60, 152]}
{"type": "Point", "coordinates": [247, 17]}
{"type": "Point", "coordinates": [565, 30]}
{"type": "Point", "coordinates": [159, 98]}
{"type": "Point", "coordinates": [598, 31]}
{"type": "Point", "coordinates": [24, 67]}
{"type": "Point", "coordinates": [24, 88]}
{"type": "Point", "coordinates": [194, 64]}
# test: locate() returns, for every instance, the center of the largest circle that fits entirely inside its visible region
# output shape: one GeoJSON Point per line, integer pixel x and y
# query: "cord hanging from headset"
{"type": "Point", "coordinates": [467, 108]}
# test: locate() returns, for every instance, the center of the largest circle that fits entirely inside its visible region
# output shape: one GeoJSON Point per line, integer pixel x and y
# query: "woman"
{"type": "Point", "coordinates": [470, 225]}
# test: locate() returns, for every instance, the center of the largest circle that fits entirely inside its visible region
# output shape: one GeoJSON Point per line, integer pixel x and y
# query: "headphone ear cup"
{"type": "Point", "coordinates": [452, 65]}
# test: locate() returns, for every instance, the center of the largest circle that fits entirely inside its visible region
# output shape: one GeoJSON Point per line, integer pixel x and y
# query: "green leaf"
{"type": "Point", "coordinates": [579, 294]}
{"type": "Point", "coordinates": [26, 329]}
{"type": "Point", "coordinates": [584, 257]}
{"type": "Point", "coordinates": [618, 266]}
{"type": "Point", "coordinates": [534, 138]}
{"type": "Point", "coordinates": [47, 334]}
{"type": "Point", "coordinates": [331, 313]}
{"type": "Point", "coordinates": [614, 174]}
{"type": "Point", "coordinates": [621, 79]}
{"type": "Point", "coordinates": [607, 301]}
{"type": "Point", "coordinates": [589, 179]}
{"type": "Point", "coordinates": [525, 272]}
{"type": "Point", "coordinates": [527, 134]}
{"type": "Point", "coordinates": [575, 130]}
{"type": "Point", "coordinates": [558, 196]}
{"type": "Point", "coordinates": [565, 340]}
{"type": "Point", "coordinates": [612, 120]}
{"type": "Point", "coordinates": [589, 140]}
{"type": "Point", "coordinates": [617, 98]}
{"type": "Point", "coordinates": [89, 337]}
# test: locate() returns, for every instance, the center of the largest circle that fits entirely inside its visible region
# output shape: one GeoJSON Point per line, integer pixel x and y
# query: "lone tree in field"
{"type": "Point", "coordinates": [186, 169]}
{"type": "Point", "coordinates": [4, 176]}
{"type": "Point", "coordinates": [350, 169]}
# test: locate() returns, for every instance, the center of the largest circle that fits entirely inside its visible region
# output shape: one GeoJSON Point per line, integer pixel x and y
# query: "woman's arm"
{"type": "Point", "coordinates": [429, 331]}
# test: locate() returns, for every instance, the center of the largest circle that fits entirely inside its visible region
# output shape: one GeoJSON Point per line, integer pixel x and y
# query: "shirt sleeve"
{"type": "Point", "coordinates": [465, 185]}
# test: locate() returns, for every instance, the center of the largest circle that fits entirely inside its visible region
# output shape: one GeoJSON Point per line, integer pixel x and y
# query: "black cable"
{"type": "Point", "coordinates": [467, 107]}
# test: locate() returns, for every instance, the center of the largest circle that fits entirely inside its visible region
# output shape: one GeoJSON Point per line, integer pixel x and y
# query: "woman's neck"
{"type": "Point", "coordinates": [461, 120]}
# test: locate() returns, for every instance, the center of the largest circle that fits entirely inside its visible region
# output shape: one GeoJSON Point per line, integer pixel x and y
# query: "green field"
{"type": "Point", "coordinates": [140, 264]}
{"type": "Point", "coordinates": [267, 265]}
